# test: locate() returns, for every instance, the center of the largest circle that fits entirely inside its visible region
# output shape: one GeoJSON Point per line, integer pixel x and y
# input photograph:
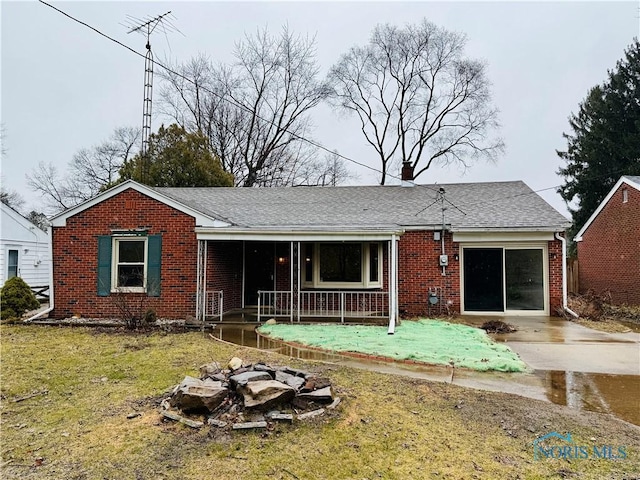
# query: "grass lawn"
{"type": "Point", "coordinates": [429, 341]}
{"type": "Point", "coordinates": [387, 426]}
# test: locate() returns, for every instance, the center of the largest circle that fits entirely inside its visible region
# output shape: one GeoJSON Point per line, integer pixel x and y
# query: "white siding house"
{"type": "Point", "coordinates": [24, 249]}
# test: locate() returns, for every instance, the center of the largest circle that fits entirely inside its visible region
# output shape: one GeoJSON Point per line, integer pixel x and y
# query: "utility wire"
{"type": "Point", "coordinates": [298, 137]}
{"type": "Point", "coordinates": [232, 102]}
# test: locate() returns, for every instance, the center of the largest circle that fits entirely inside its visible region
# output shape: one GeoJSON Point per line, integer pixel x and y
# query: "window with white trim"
{"type": "Point", "coordinates": [625, 195]}
{"type": "Point", "coordinates": [342, 265]}
{"type": "Point", "coordinates": [129, 269]}
{"type": "Point", "coordinates": [12, 263]}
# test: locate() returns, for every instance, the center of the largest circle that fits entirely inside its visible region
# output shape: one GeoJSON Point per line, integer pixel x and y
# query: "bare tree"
{"type": "Point", "coordinates": [419, 101]}
{"type": "Point", "coordinates": [90, 171]}
{"type": "Point", "coordinates": [255, 111]}
{"type": "Point", "coordinates": [329, 171]}
{"type": "Point", "coordinates": [11, 198]}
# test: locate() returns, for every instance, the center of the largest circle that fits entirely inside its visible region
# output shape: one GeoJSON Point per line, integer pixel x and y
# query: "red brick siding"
{"type": "Point", "coordinates": [75, 253]}
{"type": "Point", "coordinates": [419, 270]}
{"type": "Point", "coordinates": [555, 277]}
{"type": "Point", "coordinates": [609, 253]}
{"type": "Point", "coordinates": [283, 270]}
{"type": "Point", "coordinates": [224, 272]}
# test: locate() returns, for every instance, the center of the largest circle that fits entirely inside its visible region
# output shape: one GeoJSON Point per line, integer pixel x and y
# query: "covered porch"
{"type": "Point", "coordinates": [297, 276]}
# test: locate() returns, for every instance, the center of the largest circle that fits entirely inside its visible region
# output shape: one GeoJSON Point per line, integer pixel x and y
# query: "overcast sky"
{"type": "Point", "coordinates": [64, 87]}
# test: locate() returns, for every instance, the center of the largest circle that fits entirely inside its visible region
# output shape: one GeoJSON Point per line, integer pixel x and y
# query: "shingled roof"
{"type": "Point", "coordinates": [469, 207]}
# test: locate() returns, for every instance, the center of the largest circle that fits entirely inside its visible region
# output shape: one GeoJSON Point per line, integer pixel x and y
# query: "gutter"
{"type": "Point", "coordinates": [51, 303]}
{"type": "Point", "coordinates": [564, 275]}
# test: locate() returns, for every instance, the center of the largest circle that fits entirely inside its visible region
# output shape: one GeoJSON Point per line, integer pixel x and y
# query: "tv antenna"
{"type": "Point", "coordinates": [147, 26]}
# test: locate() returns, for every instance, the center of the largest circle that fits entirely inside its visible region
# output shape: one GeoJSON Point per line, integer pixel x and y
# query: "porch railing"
{"type": "Point", "coordinates": [274, 304]}
{"type": "Point", "coordinates": [329, 304]}
{"type": "Point", "coordinates": [213, 304]}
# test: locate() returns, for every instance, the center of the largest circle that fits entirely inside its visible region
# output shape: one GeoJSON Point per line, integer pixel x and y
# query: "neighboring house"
{"type": "Point", "coordinates": [302, 252]}
{"type": "Point", "coordinates": [24, 249]}
{"type": "Point", "coordinates": [609, 245]}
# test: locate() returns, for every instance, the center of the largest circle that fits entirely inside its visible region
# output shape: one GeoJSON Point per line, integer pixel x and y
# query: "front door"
{"type": "Point", "coordinates": [259, 270]}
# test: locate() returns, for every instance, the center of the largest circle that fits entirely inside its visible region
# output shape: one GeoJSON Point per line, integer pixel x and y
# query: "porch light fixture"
{"type": "Point", "coordinates": [282, 260]}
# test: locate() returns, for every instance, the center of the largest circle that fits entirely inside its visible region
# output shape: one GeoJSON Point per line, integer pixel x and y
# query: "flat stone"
{"type": "Point", "coordinates": [181, 419]}
{"type": "Point", "coordinates": [291, 380]}
{"type": "Point", "coordinates": [266, 394]}
{"type": "Point", "coordinates": [220, 377]}
{"type": "Point", "coordinates": [323, 395]}
{"type": "Point", "coordinates": [198, 397]}
{"type": "Point", "coordinates": [311, 414]}
{"type": "Point", "coordinates": [242, 379]}
{"type": "Point", "coordinates": [315, 383]}
{"type": "Point", "coordinates": [261, 367]}
{"type": "Point", "coordinates": [295, 372]}
{"type": "Point", "coordinates": [249, 425]}
{"type": "Point", "coordinates": [271, 321]}
{"type": "Point", "coordinates": [187, 381]}
{"type": "Point", "coordinates": [216, 423]}
{"type": "Point", "coordinates": [209, 369]}
{"type": "Point", "coordinates": [235, 363]}
{"type": "Point", "coordinates": [281, 417]}
{"type": "Point", "coordinates": [334, 404]}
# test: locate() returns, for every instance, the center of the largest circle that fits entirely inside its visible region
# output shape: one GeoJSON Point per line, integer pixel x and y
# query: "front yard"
{"type": "Point", "coordinates": [67, 394]}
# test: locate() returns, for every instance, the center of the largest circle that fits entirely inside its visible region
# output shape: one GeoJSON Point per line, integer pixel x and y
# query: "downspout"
{"type": "Point", "coordinates": [392, 286]}
{"type": "Point", "coordinates": [46, 311]}
{"type": "Point", "coordinates": [564, 275]}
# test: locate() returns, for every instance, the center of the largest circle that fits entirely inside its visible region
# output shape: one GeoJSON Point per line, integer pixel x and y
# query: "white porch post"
{"type": "Point", "coordinates": [299, 283]}
{"type": "Point", "coordinates": [291, 281]}
{"type": "Point", "coordinates": [393, 286]}
{"type": "Point", "coordinates": [204, 279]}
{"type": "Point", "coordinates": [201, 281]}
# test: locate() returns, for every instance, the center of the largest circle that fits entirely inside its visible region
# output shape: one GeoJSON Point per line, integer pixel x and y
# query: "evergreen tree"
{"type": "Point", "coordinates": [605, 139]}
{"type": "Point", "coordinates": [177, 158]}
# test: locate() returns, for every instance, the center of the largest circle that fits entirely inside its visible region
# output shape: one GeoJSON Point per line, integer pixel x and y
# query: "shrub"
{"type": "Point", "coordinates": [16, 298]}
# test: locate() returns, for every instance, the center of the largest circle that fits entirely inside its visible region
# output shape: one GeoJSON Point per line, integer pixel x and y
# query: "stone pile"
{"type": "Point", "coordinates": [248, 396]}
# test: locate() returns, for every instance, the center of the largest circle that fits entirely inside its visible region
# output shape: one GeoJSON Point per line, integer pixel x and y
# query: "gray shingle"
{"type": "Point", "coordinates": [495, 205]}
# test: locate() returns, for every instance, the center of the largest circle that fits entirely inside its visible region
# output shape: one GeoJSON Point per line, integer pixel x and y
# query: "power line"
{"type": "Point", "coordinates": [231, 101]}
{"type": "Point", "coordinates": [293, 134]}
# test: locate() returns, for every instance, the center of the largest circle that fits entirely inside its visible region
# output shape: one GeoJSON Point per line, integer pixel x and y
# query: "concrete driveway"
{"type": "Point", "coordinates": [553, 344]}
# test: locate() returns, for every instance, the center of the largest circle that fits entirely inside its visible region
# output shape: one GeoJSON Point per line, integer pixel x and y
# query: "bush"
{"type": "Point", "coordinates": [16, 298]}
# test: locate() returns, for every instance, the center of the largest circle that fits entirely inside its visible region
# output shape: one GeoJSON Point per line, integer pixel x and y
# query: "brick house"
{"type": "Point", "coordinates": [609, 245]}
{"type": "Point", "coordinates": [24, 250]}
{"type": "Point", "coordinates": [302, 252]}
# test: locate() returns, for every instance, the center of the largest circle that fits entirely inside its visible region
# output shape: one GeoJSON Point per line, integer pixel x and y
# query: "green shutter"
{"type": "Point", "coordinates": [154, 256]}
{"type": "Point", "coordinates": [104, 265]}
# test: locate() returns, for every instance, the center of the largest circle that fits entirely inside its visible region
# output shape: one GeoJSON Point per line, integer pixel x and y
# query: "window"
{"type": "Point", "coordinates": [129, 264]}
{"type": "Point", "coordinates": [625, 195]}
{"type": "Point", "coordinates": [502, 279]}
{"type": "Point", "coordinates": [12, 263]}
{"type": "Point", "coordinates": [342, 265]}
{"type": "Point", "coordinates": [340, 262]}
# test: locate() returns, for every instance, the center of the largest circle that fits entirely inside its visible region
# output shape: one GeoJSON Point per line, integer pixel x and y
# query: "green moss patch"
{"type": "Point", "coordinates": [428, 341]}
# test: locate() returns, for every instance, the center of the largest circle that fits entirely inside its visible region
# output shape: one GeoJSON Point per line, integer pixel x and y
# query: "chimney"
{"type": "Point", "coordinates": [406, 174]}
